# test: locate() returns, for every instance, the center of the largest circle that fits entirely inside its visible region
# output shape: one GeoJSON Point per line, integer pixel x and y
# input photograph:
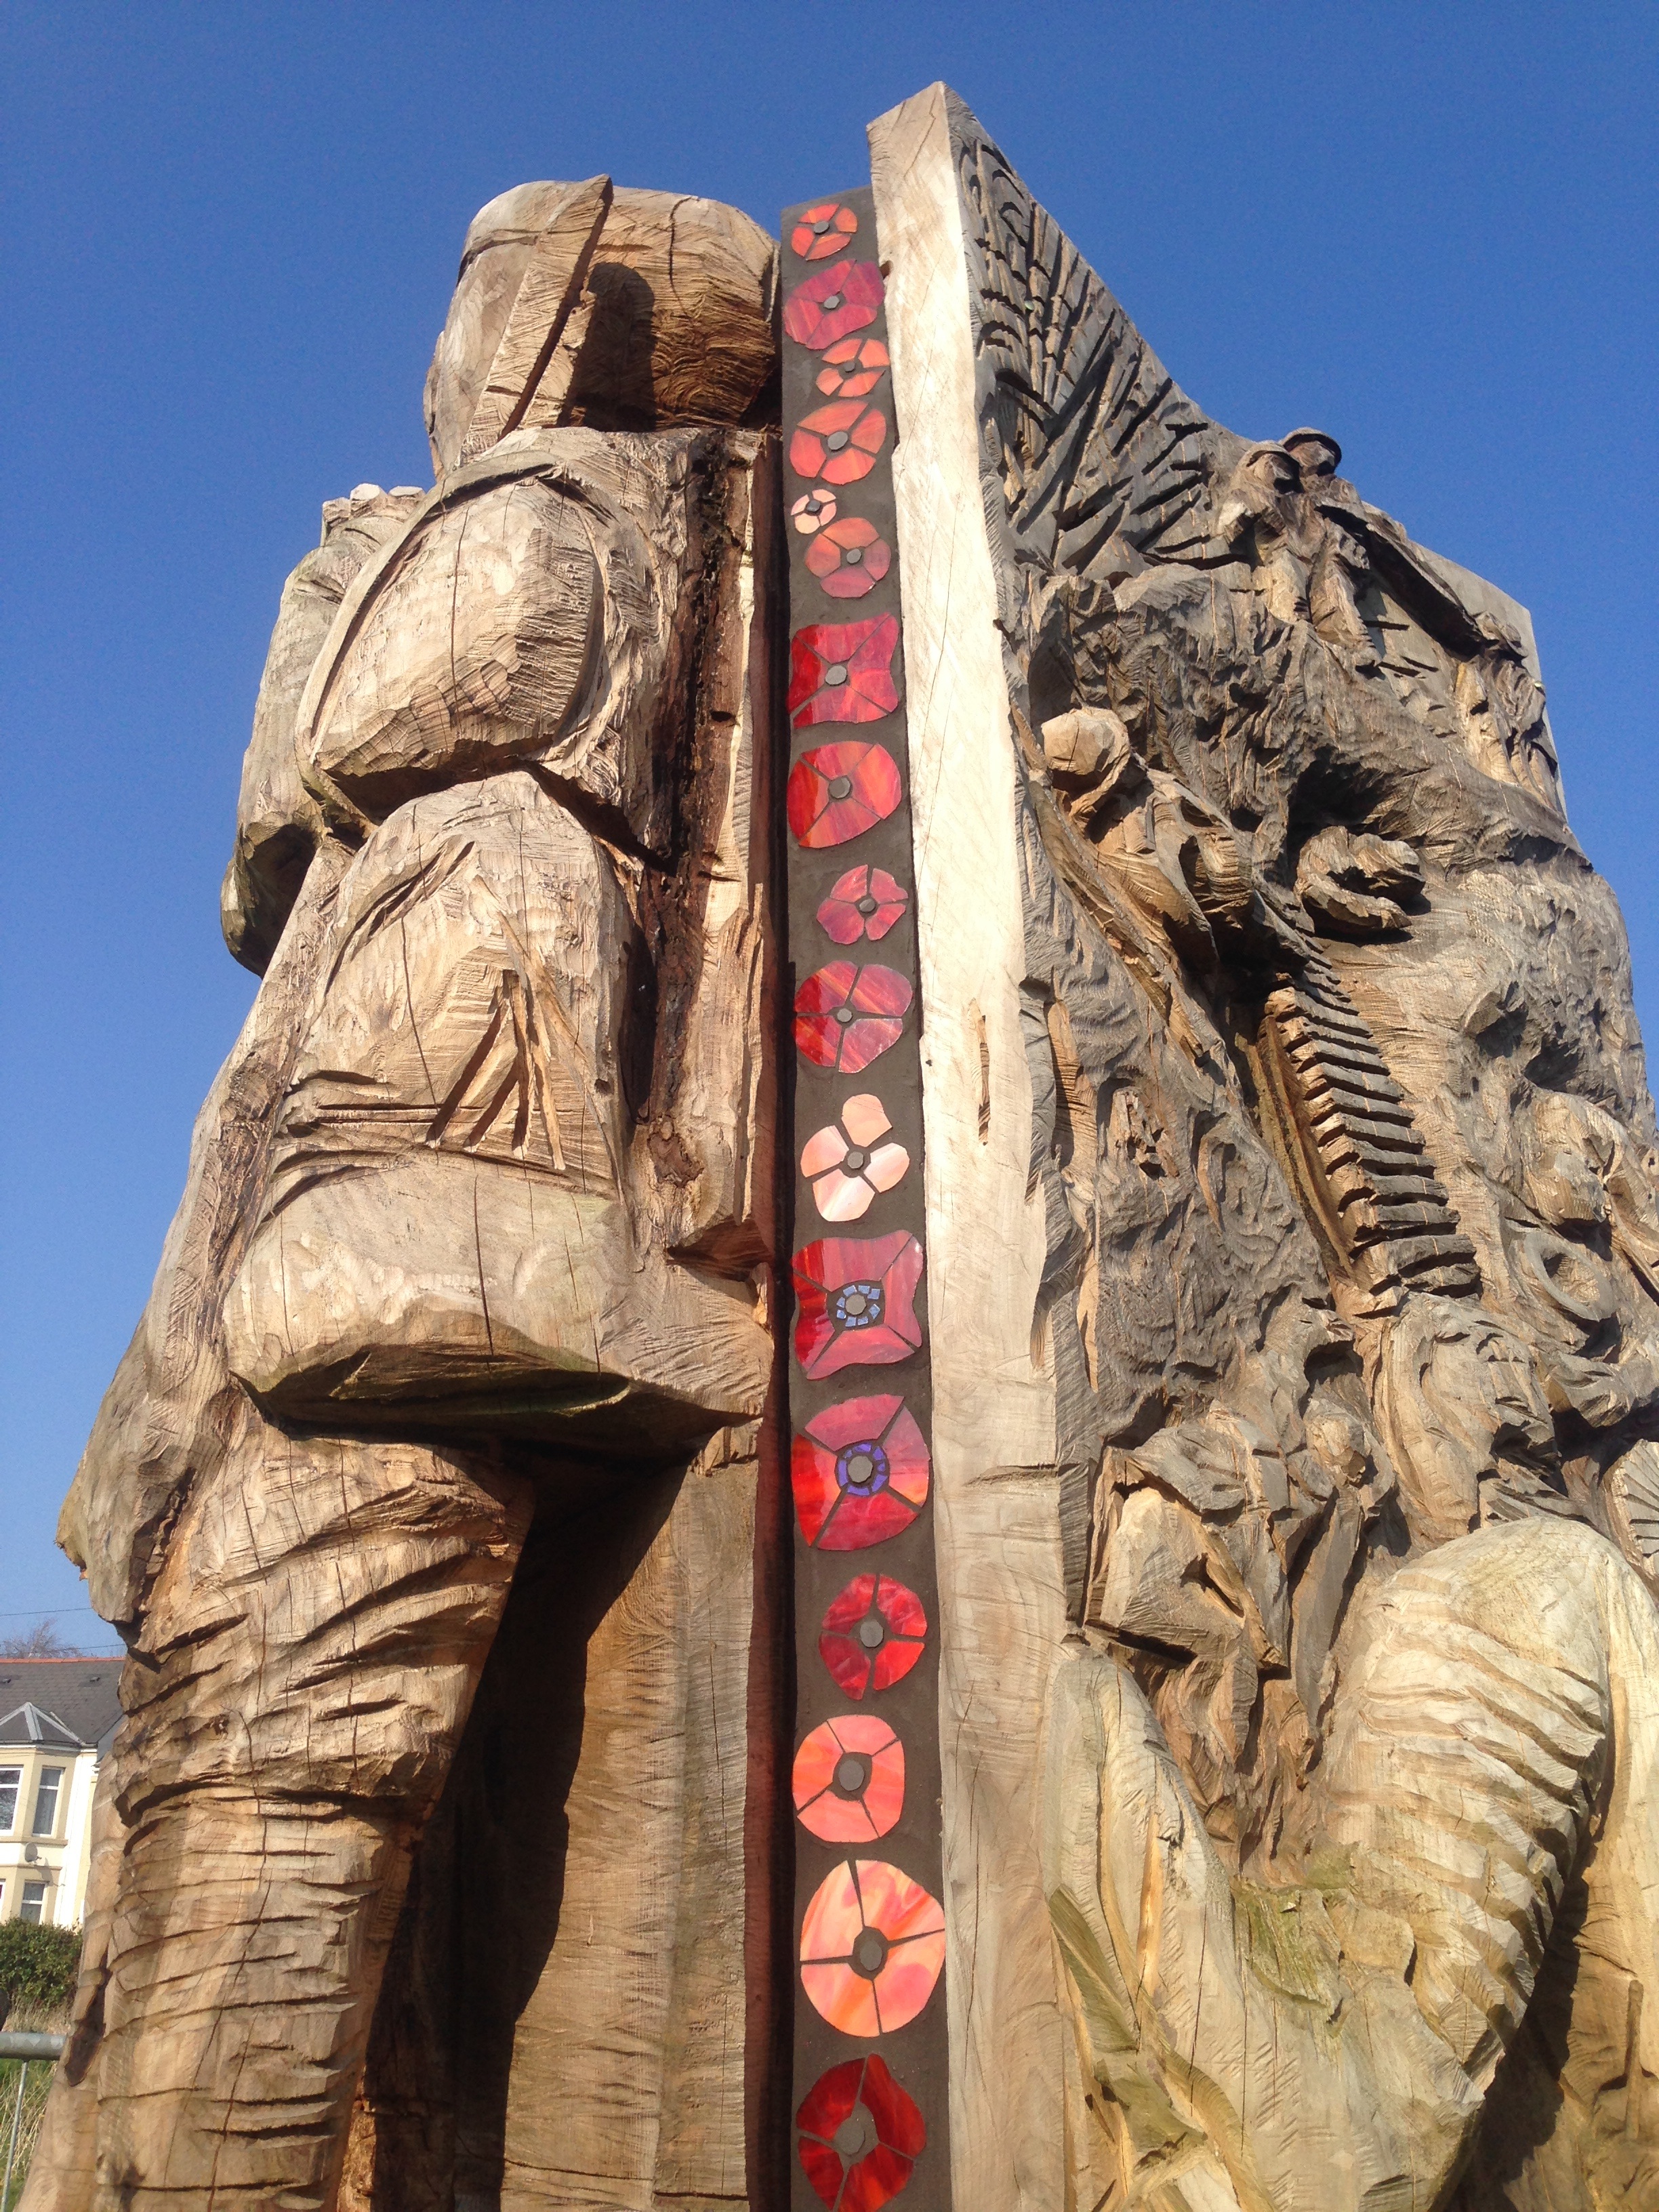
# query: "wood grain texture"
{"type": "Point", "coordinates": [472, 1266]}
{"type": "Point", "coordinates": [1310, 1278]}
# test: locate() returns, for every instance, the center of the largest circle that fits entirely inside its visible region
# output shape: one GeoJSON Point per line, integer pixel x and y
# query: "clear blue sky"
{"type": "Point", "coordinates": [232, 231]}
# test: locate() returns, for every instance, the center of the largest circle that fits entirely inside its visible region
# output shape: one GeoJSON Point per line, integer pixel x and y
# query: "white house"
{"type": "Point", "coordinates": [56, 1718]}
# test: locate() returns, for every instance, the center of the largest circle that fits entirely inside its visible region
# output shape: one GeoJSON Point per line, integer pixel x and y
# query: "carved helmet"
{"type": "Point", "coordinates": [579, 304]}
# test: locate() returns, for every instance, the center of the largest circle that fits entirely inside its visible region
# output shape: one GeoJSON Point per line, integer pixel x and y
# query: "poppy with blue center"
{"type": "Point", "coordinates": [858, 1305]}
{"type": "Point", "coordinates": [862, 1469]}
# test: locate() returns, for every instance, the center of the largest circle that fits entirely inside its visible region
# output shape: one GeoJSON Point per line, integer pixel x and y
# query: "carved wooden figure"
{"type": "Point", "coordinates": [867, 920]}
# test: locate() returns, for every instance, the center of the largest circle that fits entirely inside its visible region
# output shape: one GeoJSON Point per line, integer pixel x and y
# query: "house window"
{"type": "Point", "coordinates": [10, 1779]}
{"type": "Point", "coordinates": [46, 1800]}
{"type": "Point", "coordinates": [34, 1901]}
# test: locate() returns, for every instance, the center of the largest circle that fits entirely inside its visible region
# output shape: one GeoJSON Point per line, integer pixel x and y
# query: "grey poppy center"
{"type": "Point", "coordinates": [820, 226]}
{"type": "Point", "coordinates": [855, 2135]}
{"type": "Point", "coordinates": [835, 440]}
{"type": "Point", "coordinates": [873, 1631]}
{"type": "Point", "coordinates": [843, 1015]}
{"type": "Point", "coordinates": [856, 1157]}
{"type": "Point", "coordinates": [853, 1303]}
{"type": "Point", "coordinates": [833, 301]}
{"type": "Point", "coordinates": [867, 904]}
{"type": "Point", "coordinates": [852, 555]}
{"type": "Point", "coordinates": [835, 672]}
{"type": "Point", "coordinates": [840, 786]}
{"type": "Point", "coordinates": [869, 1953]}
{"type": "Point", "coordinates": [851, 1773]}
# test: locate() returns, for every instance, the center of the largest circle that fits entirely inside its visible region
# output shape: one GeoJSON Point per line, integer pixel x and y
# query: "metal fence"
{"type": "Point", "coordinates": [26, 2064]}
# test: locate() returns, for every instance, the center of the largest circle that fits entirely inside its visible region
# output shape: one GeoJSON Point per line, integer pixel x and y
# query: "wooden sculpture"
{"type": "Point", "coordinates": [841, 705]}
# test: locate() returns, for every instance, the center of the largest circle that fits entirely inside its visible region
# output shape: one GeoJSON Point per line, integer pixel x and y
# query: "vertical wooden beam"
{"type": "Point", "coordinates": [1003, 1615]}
{"type": "Point", "coordinates": [870, 2104]}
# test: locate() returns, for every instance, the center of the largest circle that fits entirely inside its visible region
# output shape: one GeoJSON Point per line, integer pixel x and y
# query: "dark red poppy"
{"type": "Point", "coordinates": [873, 1635]}
{"type": "Point", "coordinates": [823, 230]}
{"type": "Point", "coordinates": [849, 557]}
{"type": "Point", "coordinates": [852, 369]}
{"type": "Point", "coordinates": [857, 1302]}
{"type": "Point", "coordinates": [864, 902]}
{"type": "Point", "coordinates": [832, 303]}
{"type": "Point", "coordinates": [859, 1472]}
{"type": "Point", "coordinates": [846, 1016]}
{"type": "Point", "coordinates": [839, 442]}
{"type": "Point", "coordinates": [838, 792]}
{"type": "Point", "coordinates": [843, 672]}
{"type": "Point", "coordinates": [860, 2135]}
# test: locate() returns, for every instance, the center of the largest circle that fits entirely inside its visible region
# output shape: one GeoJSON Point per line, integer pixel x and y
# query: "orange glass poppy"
{"type": "Point", "coordinates": [843, 671]}
{"type": "Point", "coordinates": [849, 557]}
{"type": "Point", "coordinates": [812, 510]}
{"type": "Point", "coordinates": [852, 369]}
{"type": "Point", "coordinates": [859, 1472]}
{"type": "Point", "coordinates": [832, 303]}
{"type": "Point", "coordinates": [864, 902]}
{"type": "Point", "coordinates": [860, 2137]}
{"type": "Point", "coordinates": [838, 792]}
{"type": "Point", "coordinates": [871, 1947]}
{"type": "Point", "coordinates": [848, 1780]}
{"type": "Point", "coordinates": [850, 1161]}
{"type": "Point", "coordinates": [823, 230]}
{"type": "Point", "coordinates": [839, 442]}
{"type": "Point", "coordinates": [873, 1635]}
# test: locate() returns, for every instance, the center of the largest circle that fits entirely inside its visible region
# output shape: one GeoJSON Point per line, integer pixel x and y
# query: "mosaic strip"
{"type": "Point", "coordinates": [871, 2059]}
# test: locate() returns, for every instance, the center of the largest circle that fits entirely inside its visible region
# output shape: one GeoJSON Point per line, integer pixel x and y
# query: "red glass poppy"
{"type": "Point", "coordinates": [857, 1302]}
{"type": "Point", "coordinates": [839, 442]}
{"type": "Point", "coordinates": [843, 672]}
{"type": "Point", "coordinates": [848, 1780]}
{"type": "Point", "coordinates": [845, 1015]}
{"type": "Point", "coordinates": [860, 1473]}
{"type": "Point", "coordinates": [823, 230]}
{"type": "Point", "coordinates": [832, 303]}
{"type": "Point", "coordinates": [871, 1947]}
{"type": "Point", "coordinates": [873, 1635]}
{"type": "Point", "coordinates": [864, 902]}
{"type": "Point", "coordinates": [849, 557]}
{"type": "Point", "coordinates": [860, 2136]}
{"type": "Point", "coordinates": [838, 792]}
{"type": "Point", "coordinates": [852, 369]}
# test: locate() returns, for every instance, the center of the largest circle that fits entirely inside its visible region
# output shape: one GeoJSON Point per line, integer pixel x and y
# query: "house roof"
{"type": "Point", "coordinates": [73, 1701]}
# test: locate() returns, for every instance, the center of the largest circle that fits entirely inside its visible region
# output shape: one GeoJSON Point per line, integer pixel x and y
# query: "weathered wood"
{"type": "Point", "coordinates": [1239, 826]}
{"type": "Point", "coordinates": [1287, 1222]}
{"type": "Point", "coordinates": [478, 1233]}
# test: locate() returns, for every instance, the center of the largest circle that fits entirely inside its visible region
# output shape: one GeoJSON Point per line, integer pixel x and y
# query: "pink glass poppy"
{"type": "Point", "coordinates": [857, 1302]}
{"type": "Point", "coordinates": [832, 303]}
{"type": "Point", "coordinates": [849, 557]}
{"type": "Point", "coordinates": [843, 672]}
{"type": "Point", "coordinates": [864, 902]}
{"type": "Point", "coordinates": [848, 1780]}
{"type": "Point", "coordinates": [852, 369]}
{"type": "Point", "coordinates": [847, 1163]}
{"type": "Point", "coordinates": [871, 1947]}
{"type": "Point", "coordinates": [873, 1635]}
{"type": "Point", "coordinates": [837, 792]}
{"type": "Point", "coordinates": [812, 510]}
{"type": "Point", "coordinates": [859, 1472]}
{"type": "Point", "coordinates": [838, 442]}
{"type": "Point", "coordinates": [861, 2135]}
{"type": "Point", "coordinates": [822, 230]}
{"type": "Point", "coordinates": [847, 1017]}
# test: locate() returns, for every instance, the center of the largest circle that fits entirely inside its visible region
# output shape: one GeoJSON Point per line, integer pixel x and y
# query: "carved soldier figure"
{"type": "Point", "coordinates": [479, 1220]}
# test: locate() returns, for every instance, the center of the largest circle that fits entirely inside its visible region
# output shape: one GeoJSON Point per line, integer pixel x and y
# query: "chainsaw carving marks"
{"type": "Point", "coordinates": [869, 2103]}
